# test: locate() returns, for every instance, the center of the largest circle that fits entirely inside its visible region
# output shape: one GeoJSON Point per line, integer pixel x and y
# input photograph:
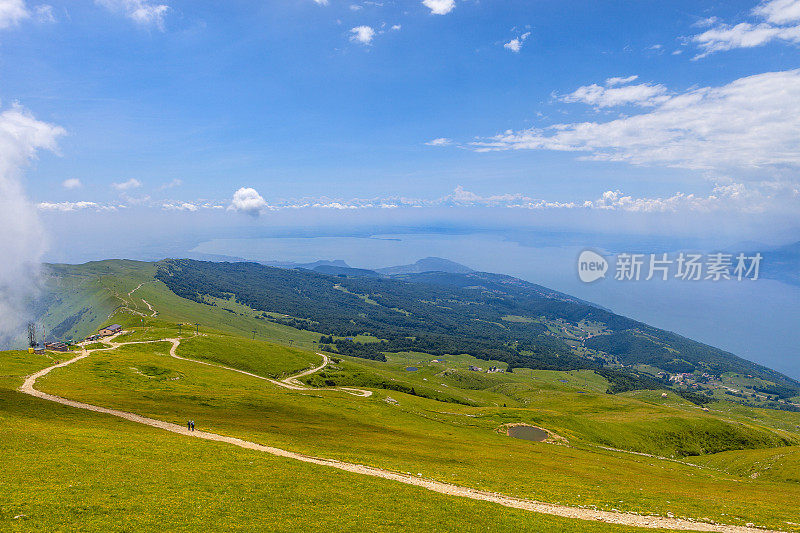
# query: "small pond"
{"type": "Point", "coordinates": [411, 369]}
{"type": "Point", "coordinates": [528, 433]}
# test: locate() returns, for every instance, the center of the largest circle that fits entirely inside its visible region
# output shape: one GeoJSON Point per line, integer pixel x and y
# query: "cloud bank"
{"type": "Point", "coordinates": [728, 196]}
{"type": "Point", "coordinates": [21, 238]}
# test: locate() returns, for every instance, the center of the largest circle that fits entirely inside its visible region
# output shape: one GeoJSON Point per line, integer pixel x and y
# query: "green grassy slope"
{"type": "Point", "coordinates": [724, 461]}
{"type": "Point", "coordinates": [781, 464]}
{"type": "Point", "coordinates": [449, 442]}
{"type": "Point", "coordinates": [70, 470]}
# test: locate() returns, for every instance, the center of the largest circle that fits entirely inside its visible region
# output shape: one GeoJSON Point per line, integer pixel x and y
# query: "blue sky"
{"type": "Point", "coordinates": [168, 104]}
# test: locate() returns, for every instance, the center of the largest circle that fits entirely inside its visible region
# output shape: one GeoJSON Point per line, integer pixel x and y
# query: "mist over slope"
{"type": "Point", "coordinates": [22, 240]}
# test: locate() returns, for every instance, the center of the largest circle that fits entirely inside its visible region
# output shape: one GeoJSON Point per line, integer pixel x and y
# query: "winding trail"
{"type": "Point", "coordinates": [578, 513]}
{"type": "Point", "coordinates": [153, 312]}
{"type": "Point", "coordinates": [292, 382]}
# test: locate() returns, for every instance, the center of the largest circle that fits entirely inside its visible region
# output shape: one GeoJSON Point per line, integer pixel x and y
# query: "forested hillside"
{"type": "Point", "coordinates": [489, 316]}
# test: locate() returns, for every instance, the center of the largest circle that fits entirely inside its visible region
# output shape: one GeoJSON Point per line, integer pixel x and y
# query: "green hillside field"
{"type": "Point", "coordinates": [640, 451]}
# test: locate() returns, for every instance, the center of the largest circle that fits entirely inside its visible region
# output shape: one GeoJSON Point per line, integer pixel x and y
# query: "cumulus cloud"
{"type": "Point", "coordinates": [12, 12]}
{"type": "Point", "coordinates": [247, 200]}
{"type": "Point", "coordinates": [726, 195]}
{"type": "Point", "coordinates": [22, 238]}
{"type": "Point", "coordinates": [69, 206]}
{"type": "Point", "coordinates": [723, 197]}
{"type": "Point", "coordinates": [362, 34]}
{"type": "Point", "coordinates": [780, 18]}
{"type": "Point", "coordinates": [752, 122]}
{"type": "Point", "coordinates": [143, 12]}
{"type": "Point", "coordinates": [132, 183]}
{"type": "Point", "coordinates": [72, 183]}
{"type": "Point", "coordinates": [321, 2]}
{"type": "Point", "coordinates": [440, 7]}
{"type": "Point", "coordinates": [617, 93]}
{"type": "Point", "coordinates": [180, 206]}
{"type": "Point", "coordinates": [441, 141]}
{"type": "Point", "coordinates": [396, 27]}
{"type": "Point", "coordinates": [515, 45]}
{"type": "Point", "coordinates": [729, 196]}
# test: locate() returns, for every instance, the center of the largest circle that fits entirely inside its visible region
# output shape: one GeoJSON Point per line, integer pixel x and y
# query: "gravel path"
{"type": "Point", "coordinates": [620, 518]}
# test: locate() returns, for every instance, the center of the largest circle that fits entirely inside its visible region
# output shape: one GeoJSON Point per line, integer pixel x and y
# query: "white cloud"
{"type": "Point", "coordinates": [247, 200]}
{"type": "Point", "coordinates": [743, 35]}
{"type": "Point", "coordinates": [776, 14]}
{"type": "Point", "coordinates": [732, 197]}
{"type": "Point", "coordinates": [440, 7]}
{"type": "Point", "coordinates": [68, 206]}
{"type": "Point", "coordinates": [72, 183]}
{"type": "Point", "coordinates": [321, 2]}
{"type": "Point", "coordinates": [396, 27]}
{"type": "Point", "coordinates": [362, 34]}
{"type": "Point", "coordinates": [143, 12]}
{"type": "Point", "coordinates": [132, 183]}
{"type": "Point", "coordinates": [616, 93]}
{"type": "Point", "coordinates": [727, 196]}
{"type": "Point", "coordinates": [764, 197]}
{"type": "Point", "coordinates": [750, 123]}
{"type": "Point", "coordinates": [44, 14]}
{"type": "Point", "coordinates": [706, 22]}
{"type": "Point", "coordinates": [779, 11]}
{"type": "Point", "coordinates": [180, 206]}
{"type": "Point", "coordinates": [621, 81]}
{"type": "Point", "coordinates": [515, 45]}
{"type": "Point", "coordinates": [12, 12]}
{"type": "Point", "coordinates": [441, 141]}
{"type": "Point", "coordinates": [21, 239]}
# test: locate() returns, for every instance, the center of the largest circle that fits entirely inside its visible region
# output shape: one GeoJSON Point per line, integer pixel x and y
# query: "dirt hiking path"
{"type": "Point", "coordinates": [619, 518]}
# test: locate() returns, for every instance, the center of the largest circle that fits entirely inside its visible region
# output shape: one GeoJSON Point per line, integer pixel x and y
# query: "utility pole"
{"type": "Point", "coordinates": [254, 334]}
{"type": "Point", "coordinates": [196, 328]}
{"type": "Point", "coordinates": [179, 329]}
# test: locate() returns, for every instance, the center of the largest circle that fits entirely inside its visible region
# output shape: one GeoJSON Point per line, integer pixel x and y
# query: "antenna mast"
{"type": "Point", "coordinates": [32, 335]}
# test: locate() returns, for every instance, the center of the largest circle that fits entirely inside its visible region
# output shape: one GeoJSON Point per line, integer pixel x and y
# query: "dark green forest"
{"type": "Point", "coordinates": [443, 313]}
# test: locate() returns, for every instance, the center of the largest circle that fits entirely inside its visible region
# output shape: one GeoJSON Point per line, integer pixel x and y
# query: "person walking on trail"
{"type": "Point", "coordinates": [189, 425]}
{"type": "Point", "coordinates": [192, 423]}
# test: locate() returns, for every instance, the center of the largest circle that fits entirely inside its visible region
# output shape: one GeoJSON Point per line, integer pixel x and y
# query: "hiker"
{"type": "Point", "coordinates": [189, 425]}
{"type": "Point", "coordinates": [192, 422]}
